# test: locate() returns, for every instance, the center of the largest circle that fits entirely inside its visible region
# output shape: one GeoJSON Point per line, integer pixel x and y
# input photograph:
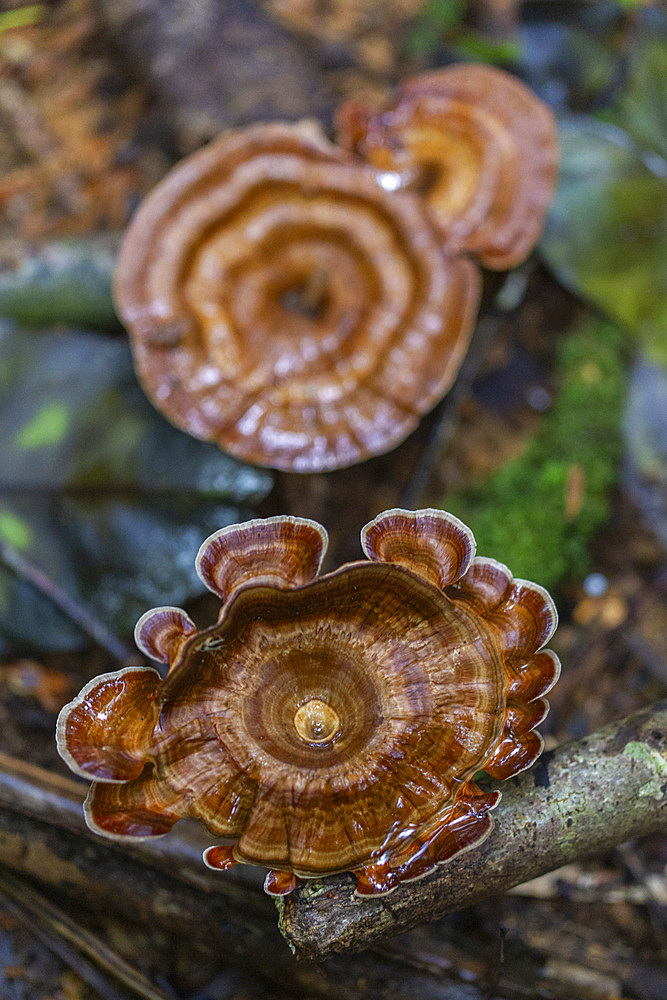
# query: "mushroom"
{"type": "Point", "coordinates": [325, 723]}
{"type": "Point", "coordinates": [283, 304]}
{"type": "Point", "coordinates": [480, 146]}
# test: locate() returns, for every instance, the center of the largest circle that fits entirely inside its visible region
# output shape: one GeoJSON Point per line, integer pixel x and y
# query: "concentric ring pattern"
{"type": "Point", "coordinates": [325, 723]}
{"type": "Point", "coordinates": [282, 303]}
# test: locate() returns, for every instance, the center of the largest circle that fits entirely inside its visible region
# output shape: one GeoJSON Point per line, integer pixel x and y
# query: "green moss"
{"type": "Point", "coordinates": [519, 515]}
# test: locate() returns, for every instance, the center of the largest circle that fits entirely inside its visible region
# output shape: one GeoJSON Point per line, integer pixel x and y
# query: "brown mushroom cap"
{"type": "Point", "coordinates": [281, 303]}
{"type": "Point", "coordinates": [481, 146]}
{"type": "Point", "coordinates": [325, 723]}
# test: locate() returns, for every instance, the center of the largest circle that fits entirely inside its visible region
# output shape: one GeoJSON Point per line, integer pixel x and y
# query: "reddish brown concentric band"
{"type": "Point", "coordinates": [325, 723]}
{"type": "Point", "coordinates": [282, 304]}
{"type": "Point", "coordinates": [479, 145]}
{"type": "Point", "coordinates": [435, 702]}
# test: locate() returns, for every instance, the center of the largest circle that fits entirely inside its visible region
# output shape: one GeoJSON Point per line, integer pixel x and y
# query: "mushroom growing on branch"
{"type": "Point", "coordinates": [283, 304]}
{"type": "Point", "coordinates": [479, 146]}
{"type": "Point", "coordinates": [325, 723]}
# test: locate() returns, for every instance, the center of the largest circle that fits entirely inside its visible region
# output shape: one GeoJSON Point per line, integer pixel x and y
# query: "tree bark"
{"type": "Point", "coordinates": [43, 836]}
{"type": "Point", "coordinates": [579, 799]}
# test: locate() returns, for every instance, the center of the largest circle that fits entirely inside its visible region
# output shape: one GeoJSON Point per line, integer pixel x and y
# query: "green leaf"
{"type": "Point", "coordinates": [47, 427]}
{"type": "Point", "coordinates": [606, 235]}
{"type": "Point", "coordinates": [98, 490]}
{"type": "Point", "coordinates": [22, 17]}
{"type": "Point", "coordinates": [435, 20]}
{"type": "Point", "coordinates": [472, 45]}
{"type": "Point", "coordinates": [642, 107]}
{"type": "Point", "coordinates": [15, 531]}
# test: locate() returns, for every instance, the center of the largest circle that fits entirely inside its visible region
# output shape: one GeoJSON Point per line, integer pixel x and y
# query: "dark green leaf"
{"type": "Point", "coordinates": [642, 106]}
{"type": "Point", "coordinates": [606, 236]}
{"type": "Point", "coordinates": [98, 490]}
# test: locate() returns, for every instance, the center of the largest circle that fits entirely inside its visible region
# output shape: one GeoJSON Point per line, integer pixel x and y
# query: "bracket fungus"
{"type": "Point", "coordinates": [325, 723]}
{"type": "Point", "coordinates": [480, 146]}
{"type": "Point", "coordinates": [283, 304]}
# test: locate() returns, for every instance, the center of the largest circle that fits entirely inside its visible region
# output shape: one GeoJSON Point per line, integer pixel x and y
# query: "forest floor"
{"type": "Point", "coordinates": [90, 140]}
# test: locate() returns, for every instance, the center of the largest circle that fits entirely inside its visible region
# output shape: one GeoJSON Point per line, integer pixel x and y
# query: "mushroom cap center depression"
{"type": "Point", "coordinates": [312, 706]}
{"type": "Point", "coordinates": [316, 722]}
{"type": "Point", "coordinates": [335, 672]}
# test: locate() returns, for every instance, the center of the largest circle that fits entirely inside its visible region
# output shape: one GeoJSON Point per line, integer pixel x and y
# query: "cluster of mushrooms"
{"type": "Point", "coordinates": [303, 303]}
{"type": "Point", "coordinates": [324, 723]}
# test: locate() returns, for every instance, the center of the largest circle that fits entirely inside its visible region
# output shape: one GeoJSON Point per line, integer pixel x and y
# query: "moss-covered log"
{"type": "Point", "coordinates": [582, 798]}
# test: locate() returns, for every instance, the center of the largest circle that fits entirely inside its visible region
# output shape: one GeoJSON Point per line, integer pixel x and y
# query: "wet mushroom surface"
{"type": "Point", "coordinates": [283, 303]}
{"type": "Point", "coordinates": [478, 144]}
{"type": "Point", "coordinates": [324, 723]}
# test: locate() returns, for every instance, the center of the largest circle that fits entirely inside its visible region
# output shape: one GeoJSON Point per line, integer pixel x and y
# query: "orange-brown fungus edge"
{"type": "Point", "coordinates": [282, 304]}
{"type": "Point", "coordinates": [480, 147]}
{"type": "Point", "coordinates": [325, 723]}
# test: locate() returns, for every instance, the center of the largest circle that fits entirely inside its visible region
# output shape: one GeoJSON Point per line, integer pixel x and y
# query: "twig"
{"type": "Point", "coordinates": [73, 609]}
{"type": "Point", "coordinates": [57, 801]}
{"type": "Point", "coordinates": [43, 836]}
{"type": "Point", "coordinates": [75, 945]}
{"type": "Point", "coordinates": [579, 799]}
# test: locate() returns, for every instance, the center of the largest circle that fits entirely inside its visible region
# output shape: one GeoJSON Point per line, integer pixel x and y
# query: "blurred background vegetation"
{"type": "Point", "coordinates": [553, 446]}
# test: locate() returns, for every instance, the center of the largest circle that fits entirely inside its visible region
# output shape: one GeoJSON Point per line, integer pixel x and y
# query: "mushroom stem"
{"type": "Point", "coordinates": [584, 797]}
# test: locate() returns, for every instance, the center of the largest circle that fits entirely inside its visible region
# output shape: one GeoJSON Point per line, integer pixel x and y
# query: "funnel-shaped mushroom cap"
{"type": "Point", "coordinates": [480, 146]}
{"type": "Point", "coordinates": [281, 303]}
{"type": "Point", "coordinates": [325, 723]}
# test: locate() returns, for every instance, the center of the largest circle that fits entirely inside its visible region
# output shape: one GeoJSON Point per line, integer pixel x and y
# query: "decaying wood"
{"type": "Point", "coordinates": [610, 785]}
{"type": "Point", "coordinates": [582, 798]}
{"type": "Point", "coordinates": [163, 882]}
{"type": "Point", "coordinates": [87, 954]}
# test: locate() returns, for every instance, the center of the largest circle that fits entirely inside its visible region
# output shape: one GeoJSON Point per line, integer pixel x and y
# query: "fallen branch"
{"type": "Point", "coordinates": [57, 801]}
{"type": "Point", "coordinates": [43, 835]}
{"type": "Point", "coordinates": [72, 608]}
{"type": "Point", "coordinates": [163, 882]}
{"type": "Point", "coordinates": [618, 771]}
{"type": "Point", "coordinates": [580, 799]}
{"type": "Point", "coordinates": [87, 954]}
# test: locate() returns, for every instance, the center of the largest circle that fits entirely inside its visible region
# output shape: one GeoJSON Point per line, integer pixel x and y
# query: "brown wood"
{"type": "Point", "coordinates": [611, 785]}
{"type": "Point", "coordinates": [582, 798]}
